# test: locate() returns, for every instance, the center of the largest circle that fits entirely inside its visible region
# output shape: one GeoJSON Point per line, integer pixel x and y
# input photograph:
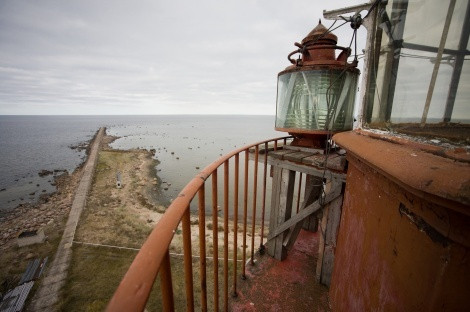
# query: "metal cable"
{"type": "Point", "coordinates": [376, 3]}
{"type": "Point", "coordinates": [331, 110]}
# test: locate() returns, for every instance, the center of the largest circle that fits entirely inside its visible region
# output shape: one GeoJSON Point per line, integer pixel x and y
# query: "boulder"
{"type": "Point", "coordinates": [44, 173]}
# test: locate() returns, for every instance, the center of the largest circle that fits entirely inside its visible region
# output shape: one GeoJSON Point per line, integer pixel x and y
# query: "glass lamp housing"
{"type": "Point", "coordinates": [316, 100]}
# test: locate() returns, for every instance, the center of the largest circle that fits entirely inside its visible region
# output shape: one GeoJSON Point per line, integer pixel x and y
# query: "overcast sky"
{"type": "Point", "coordinates": [150, 57]}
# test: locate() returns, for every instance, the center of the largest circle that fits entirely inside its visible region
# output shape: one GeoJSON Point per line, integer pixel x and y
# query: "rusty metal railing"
{"type": "Point", "coordinates": [153, 257]}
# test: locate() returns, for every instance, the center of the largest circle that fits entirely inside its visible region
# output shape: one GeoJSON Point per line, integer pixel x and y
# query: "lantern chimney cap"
{"type": "Point", "coordinates": [320, 33]}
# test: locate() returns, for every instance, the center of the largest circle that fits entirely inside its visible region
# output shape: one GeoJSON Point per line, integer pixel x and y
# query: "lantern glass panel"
{"type": "Point", "coordinates": [316, 100]}
{"type": "Point", "coordinates": [414, 87]}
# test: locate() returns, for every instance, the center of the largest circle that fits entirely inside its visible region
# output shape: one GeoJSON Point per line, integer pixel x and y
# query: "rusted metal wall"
{"type": "Point", "coordinates": [396, 251]}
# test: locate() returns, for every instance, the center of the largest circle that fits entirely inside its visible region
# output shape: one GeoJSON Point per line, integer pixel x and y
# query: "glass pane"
{"type": "Point", "coordinates": [413, 78]}
{"type": "Point", "coordinates": [404, 59]}
{"type": "Point", "coordinates": [425, 20]}
{"type": "Point", "coordinates": [461, 112]}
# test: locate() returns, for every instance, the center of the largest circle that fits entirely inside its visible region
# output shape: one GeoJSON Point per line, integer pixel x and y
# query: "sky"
{"type": "Point", "coordinates": [150, 57]}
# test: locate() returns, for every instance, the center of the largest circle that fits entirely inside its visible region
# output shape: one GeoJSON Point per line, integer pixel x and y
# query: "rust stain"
{"type": "Point", "coordinates": [412, 168]}
{"type": "Point", "coordinates": [457, 153]}
{"type": "Point", "coordinates": [423, 226]}
{"type": "Point", "coordinates": [384, 262]}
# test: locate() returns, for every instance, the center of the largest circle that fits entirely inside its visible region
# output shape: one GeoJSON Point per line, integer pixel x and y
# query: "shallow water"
{"type": "Point", "coordinates": [29, 144]}
{"type": "Point", "coordinates": [184, 143]}
{"type": "Point", "coordinates": [32, 143]}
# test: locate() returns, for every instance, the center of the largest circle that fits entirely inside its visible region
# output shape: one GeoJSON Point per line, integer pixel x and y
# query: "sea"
{"type": "Point", "coordinates": [184, 145]}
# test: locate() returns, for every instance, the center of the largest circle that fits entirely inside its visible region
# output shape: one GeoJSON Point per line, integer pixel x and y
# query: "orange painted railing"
{"type": "Point", "coordinates": [154, 257]}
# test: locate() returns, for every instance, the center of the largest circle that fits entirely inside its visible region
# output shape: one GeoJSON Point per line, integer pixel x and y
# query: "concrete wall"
{"type": "Point", "coordinates": [396, 251]}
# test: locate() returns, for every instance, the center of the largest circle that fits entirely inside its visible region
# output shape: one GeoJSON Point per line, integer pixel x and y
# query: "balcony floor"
{"type": "Point", "coordinates": [287, 285]}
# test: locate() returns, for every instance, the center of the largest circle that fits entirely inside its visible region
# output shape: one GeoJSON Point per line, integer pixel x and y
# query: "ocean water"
{"type": "Point", "coordinates": [29, 144]}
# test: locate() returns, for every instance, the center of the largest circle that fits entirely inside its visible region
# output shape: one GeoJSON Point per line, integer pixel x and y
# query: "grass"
{"type": "Point", "coordinates": [96, 272]}
{"type": "Point", "coordinates": [93, 276]}
{"type": "Point", "coordinates": [109, 218]}
{"type": "Point", "coordinates": [16, 259]}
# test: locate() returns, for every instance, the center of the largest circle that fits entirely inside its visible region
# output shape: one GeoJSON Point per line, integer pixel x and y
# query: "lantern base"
{"type": "Point", "coordinates": [318, 140]}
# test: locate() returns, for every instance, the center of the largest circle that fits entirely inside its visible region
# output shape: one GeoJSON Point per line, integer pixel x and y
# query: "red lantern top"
{"type": "Point", "coordinates": [318, 49]}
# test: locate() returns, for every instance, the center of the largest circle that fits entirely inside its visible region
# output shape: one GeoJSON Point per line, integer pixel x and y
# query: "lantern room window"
{"type": "Point", "coordinates": [419, 71]}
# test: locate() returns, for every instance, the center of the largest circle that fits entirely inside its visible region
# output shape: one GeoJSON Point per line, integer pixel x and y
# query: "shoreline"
{"type": "Point", "coordinates": [59, 178]}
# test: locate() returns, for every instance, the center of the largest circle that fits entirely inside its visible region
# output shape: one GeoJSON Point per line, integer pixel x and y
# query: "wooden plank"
{"type": "Point", "coordinates": [285, 209]}
{"type": "Point", "coordinates": [313, 190]}
{"type": "Point", "coordinates": [276, 183]}
{"type": "Point", "coordinates": [321, 244]}
{"type": "Point", "coordinates": [331, 233]}
{"type": "Point", "coordinates": [297, 156]}
{"type": "Point", "coordinates": [312, 208]}
{"type": "Point", "coordinates": [336, 163]}
{"type": "Point", "coordinates": [316, 184]}
{"type": "Point", "coordinates": [262, 150]}
{"type": "Point", "coordinates": [304, 149]}
{"type": "Point", "coordinates": [316, 160]}
{"type": "Point", "coordinates": [318, 172]}
{"type": "Point", "coordinates": [280, 153]}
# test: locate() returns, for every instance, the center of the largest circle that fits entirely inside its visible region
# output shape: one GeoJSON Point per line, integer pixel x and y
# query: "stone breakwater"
{"type": "Point", "coordinates": [48, 294]}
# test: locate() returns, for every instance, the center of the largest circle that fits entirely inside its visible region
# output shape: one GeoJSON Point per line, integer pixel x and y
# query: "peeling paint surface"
{"type": "Point", "coordinates": [390, 254]}
{"type": "Point", "coordinates": [421, 170]}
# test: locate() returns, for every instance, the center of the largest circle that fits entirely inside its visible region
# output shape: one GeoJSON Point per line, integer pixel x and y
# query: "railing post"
{"type": "Point", "coordinates": [235, 225]}
{"type": "Point", "coordinates": [202, 246]}
{"type": "Point", "coordinates": [255, 195]}
{"type": "Point", "coordinates": [166, 283]}
{"type": "Point", "coordinates": [188, 261]}
{"type": "Point", "coordinates": [215, 239]}
{"type": "Point", "coordinates": [245, 210]}
{"type": "Point", "coordinates": [226, 232]}
{"type": "Point", "coordinates": [265, 165]}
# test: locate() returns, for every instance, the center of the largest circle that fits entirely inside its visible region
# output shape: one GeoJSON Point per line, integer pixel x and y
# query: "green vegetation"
{"type": "Point", "coordinates": [120, 217]}
{"type": "Point", "coordinates": [15, 260]}
{"type": "Point", "coordinates": [111, 217]}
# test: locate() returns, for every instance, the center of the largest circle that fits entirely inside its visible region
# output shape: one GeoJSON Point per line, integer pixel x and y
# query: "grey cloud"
{"type": "Point", "coordinates": [148, 57]}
